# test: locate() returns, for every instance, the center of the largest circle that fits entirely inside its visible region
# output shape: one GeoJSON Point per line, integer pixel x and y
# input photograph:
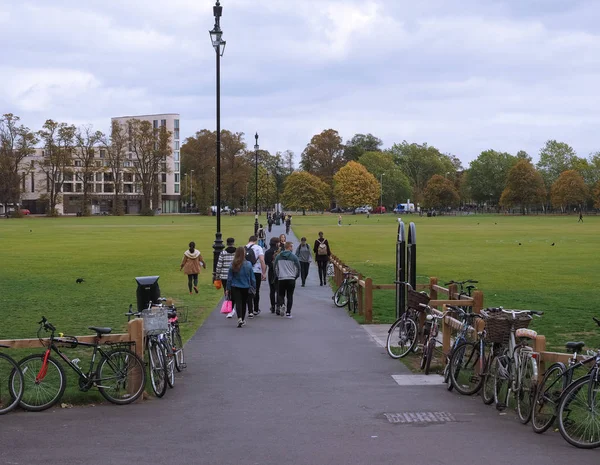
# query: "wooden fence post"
{"type": "Point", "coordinates": [452, 291]}
{"type": "Point", "coordinates": [368, 300]}
{"type": "Point", "coordinates": [135, 329]}
{"type": "Point", "coordinates": [477, 301]}
{"type": "Point", "coordinates": [360, 296]}
{"type": "Point", "coordinates": [433, 292]}
{"type": "Point", "coordinates": [539, 347]}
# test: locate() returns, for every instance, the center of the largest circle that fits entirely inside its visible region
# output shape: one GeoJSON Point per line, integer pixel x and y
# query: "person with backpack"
{"type": "Point", "coordinates": [256, 256]}
{"type": "Point", "coordinates": [223, 265]}
{"type": "Point", "coordinates": [240, 279]}
{"type": "Point", "coordinates": [287, 270]}
{"type": "Point", "coordinates": [262, 236]}
{"type": "Point", "coordinates": [270, 262]}
{"type": "Point", "coordinates": [305, 257]}
{"type": "Point", "coordinates": [322, 253]}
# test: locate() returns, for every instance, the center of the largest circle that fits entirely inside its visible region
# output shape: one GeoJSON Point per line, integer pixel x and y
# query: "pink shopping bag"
{"type": "Point", "coordinates": [227, 306]}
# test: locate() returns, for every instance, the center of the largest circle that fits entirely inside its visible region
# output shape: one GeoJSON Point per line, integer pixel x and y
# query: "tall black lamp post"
{"type": "Point", "coordinates": [267, 202]}
{"type": "Point", "coordinates": [256, 185]}
{"type": "Point", "coordinates": [216, 37]}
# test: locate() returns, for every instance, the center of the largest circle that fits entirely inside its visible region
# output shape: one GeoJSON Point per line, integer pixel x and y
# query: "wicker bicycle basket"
{"type": "Point", "coordinates": [155, 320]}
{"type": "Point", "coordinates": [415, 298]}
{"type": "Point", "coordinates": [498, 324]}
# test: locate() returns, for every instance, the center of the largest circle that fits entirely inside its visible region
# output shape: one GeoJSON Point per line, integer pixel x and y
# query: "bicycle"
{"type": "Point", "coordinates": [515, 370]}
{"type": "Point", "coordinates": [402, 335]}
{"type": "Point", "coordinates": [11, 383]}
{"type": "Point", "coordinates": [464, 291]}
{"type": "Point", "coordinates": [347, 293]}
{"type": "Point", "coordinates": [554, 383]}
{"type": "Point", "coordinates": [430, 333]}
{"type": "Point", "coordinates": [119, 375]}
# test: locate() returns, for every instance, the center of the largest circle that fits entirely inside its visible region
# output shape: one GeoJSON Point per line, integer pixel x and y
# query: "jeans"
{"type": "Point", "coordinates": [304, 267]}
{"type": "Point", "coordinates": [253, 302]}
{"type": "Point", "coordinates": [322, 271]}
{"type": "Point", "coordinates": [286, 289]}
{"type": "Point", "coordinates": [194, 278]}
{"type": "Point", "coordinates": [239, 297]}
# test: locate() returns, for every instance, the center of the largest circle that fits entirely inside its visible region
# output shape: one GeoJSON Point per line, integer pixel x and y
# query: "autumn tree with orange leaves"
{"type": "Point", "coordinates": [355, 186]}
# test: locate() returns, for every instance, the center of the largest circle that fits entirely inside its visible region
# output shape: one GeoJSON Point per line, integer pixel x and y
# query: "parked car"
{"type": "Point", "coordinates": [337, 210]}
{"type": "Point", "coordinates": [379, 209]}
{"type": "Point", "coordinates": [363, 209]}
{"type": "Point", "coordinates": [25, 211]}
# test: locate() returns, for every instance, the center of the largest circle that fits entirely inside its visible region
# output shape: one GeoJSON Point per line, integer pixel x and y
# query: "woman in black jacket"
{"type": "Point", "coordinates": [270, 261]}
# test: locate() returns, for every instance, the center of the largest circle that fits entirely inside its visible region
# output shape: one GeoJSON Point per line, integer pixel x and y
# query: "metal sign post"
{"type": "Point", "coordinates": [400, 270]}
{"type": "Point", "coordinates": [411, 255]}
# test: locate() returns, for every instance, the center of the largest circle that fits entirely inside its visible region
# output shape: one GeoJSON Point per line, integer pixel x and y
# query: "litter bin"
{"type": "Point", "coordinates": [147, 291]}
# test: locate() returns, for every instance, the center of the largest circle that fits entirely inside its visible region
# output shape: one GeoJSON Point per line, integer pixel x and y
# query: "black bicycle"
{"type": "Point", "coordinates": [120, 375]}
{"type": "Point", "coordinates": [11, 383]}
{"type": "Point", "coordinates": [347, 293]}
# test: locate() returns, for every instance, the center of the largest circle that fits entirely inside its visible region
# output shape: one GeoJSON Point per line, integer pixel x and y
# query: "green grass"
{"type": "Point", "coordinates": [559, 280]}
{"type": "Point", "coordinates": [42, 257]}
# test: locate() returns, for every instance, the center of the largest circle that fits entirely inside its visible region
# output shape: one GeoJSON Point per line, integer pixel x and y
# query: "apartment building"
{"type": "Point", "coordinates": [101, 183]}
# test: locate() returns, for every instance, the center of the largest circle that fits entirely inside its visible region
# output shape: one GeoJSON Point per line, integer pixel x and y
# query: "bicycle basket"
{"type": "Point", "coordinates": [498, 324]}
{"type": "Point", "coordinates": [155, 320]}
{"type": "Point", "coordinates": [415, 298]}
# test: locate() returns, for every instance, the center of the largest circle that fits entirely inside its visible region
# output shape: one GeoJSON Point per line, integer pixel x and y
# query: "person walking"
{"type": "Point", "coordinates": [287, 270]}
{"type": "Point", "coordinates": [270, 222]}
{"type": "Point", "coordinates": [305, 257]}
{"type": "Point", "coordinates": [288, 223]}
{"type": "Point", "coordinates": [223, 265]}
{"type": "Point", "coordinates": [580, 217]}
{"type": "Point", "coordinates": [281, 244]}
{"type": "Point", "coordinates": [191, 263]}
{"type": "Point", "coordinates": [262, 236]}
{"type": "Point", "coordinates": [322, 254]}
{"type": "Point", "coordinates": [240, 279]}
{"type": "Point", "coordinates": [339, 220]}
{"type": "Point", "coordinates": [270, 262]}
{"type": "Point", "coordinates": [256, 256]}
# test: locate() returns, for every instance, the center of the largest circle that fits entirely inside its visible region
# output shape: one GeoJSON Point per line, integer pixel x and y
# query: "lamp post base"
{"type": "Point", "coordinates": [217, 249]}
{"type": "Point", "coordinates": [255, 225]}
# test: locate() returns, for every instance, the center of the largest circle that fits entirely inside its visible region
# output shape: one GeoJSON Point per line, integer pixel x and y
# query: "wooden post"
{"type": "Point", "coordinates": [452, 291]}
{"type": "Point", "coordinates": [446, 333]}
{"type": "Point", "coordinates": [368, 300]}
{"type": "Point", "coordinates": [360, 295]}
{"type": "Point", "coordinates": [433, 294]}
{"type": "Point", "coordinates": [539, 347]}
{"type": "Point", "coordinates": [135, 329]}
{"type": "Point", "coordinates": [477, 301]}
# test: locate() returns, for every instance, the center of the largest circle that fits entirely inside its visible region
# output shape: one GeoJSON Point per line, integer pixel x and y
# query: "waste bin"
{"type": "Point", "coordinates": [147, 291]}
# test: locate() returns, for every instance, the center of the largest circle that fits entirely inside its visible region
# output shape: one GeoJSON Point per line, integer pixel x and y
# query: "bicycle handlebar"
{"type": "Point", "coordinates": [46, 324]}
{"type": "Point", "coordinates": [461, 283]}
{"type": "Point", "coordinates": [596, 320]}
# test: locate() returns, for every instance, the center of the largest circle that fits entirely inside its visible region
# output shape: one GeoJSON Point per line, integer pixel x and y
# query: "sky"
{"type": "Point", "coordinates": [461, 75]}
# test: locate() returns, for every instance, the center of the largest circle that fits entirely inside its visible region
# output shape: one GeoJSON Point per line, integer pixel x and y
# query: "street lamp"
{"type": "Point", "coordinates": [256, 185]}
{"type": "Point", "coordinates": [185, 183]}
{"type": "Point", "coordinates": [381, 201]}
{"type": "Point", "coordinates": [267, 202]}
{"type": "Point", "coordinates": [216, 37]}
{"type": "Point", "coordinates": [191, 187]}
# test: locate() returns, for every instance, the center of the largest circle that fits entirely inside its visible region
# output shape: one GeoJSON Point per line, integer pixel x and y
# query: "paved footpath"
{"type": "Point", "coordinates": [314, 389]}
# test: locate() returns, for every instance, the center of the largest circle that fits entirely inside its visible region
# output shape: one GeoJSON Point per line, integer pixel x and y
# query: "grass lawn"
{"type": "Point", "coordinates": [559, 280]}
{"type": "Point", "coordinates": [40, 259]}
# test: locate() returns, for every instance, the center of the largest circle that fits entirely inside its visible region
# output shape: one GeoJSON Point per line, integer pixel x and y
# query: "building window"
{"type": "Point", "coordinates": [163, 167]}
{"type": "Point", "coordinates": [98, 187]}
{"type": "Point", "coordinates": [78, 187]}
{"type": "Point", "coordinates": [102, 153]}
{"type": "Point", "coordinates": [128, 188]}
{"type": "Point", "coordinates": [130, 148]}
{"type": "Point", "coordinates": [176, 132]}
{"type": "Point", "coordinates": [176, 177]}
{"type": "Point", "coordinates": [176, 145]}
{"type": "Point", "coordinates": [127, 177]}
{"type": "Point", "coordinates": [176, 156]}
{"type": "Point", "coordinates": [108, 177]}
{"type": "Point", "coordinates": [109, 188]}
{"type": "Point", "coordinates": [176, 124]}
{"type": "Point", "coordinates": [155, 124]}
{"type": "Point", "coordinates": [176, 186]}
{"type": "Point", "coordinates": [23, 182]}
{"type": "Point", "coordinates": [67, 187]}
{"type": "Point", "coordinates": [98, 177]}
{"type": "Point", "coordinates": [32, 183]}
{"type": "Point", "coordinates": [68, 177]}
{"type": "Point", "coordinates": [164, 188]}
{"type": "Point", "coordinates": [78, 163]}
{"type": "Point", "coordinates": [176, 167]}
{"type": "Point", "coordinates": [163, 123]}
{"type": "Point", "coordinates": [131, 156]}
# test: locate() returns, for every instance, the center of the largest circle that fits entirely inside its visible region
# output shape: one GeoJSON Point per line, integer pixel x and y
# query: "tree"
{"type": "Point", "coordinates": [420, 163]}
{"type": "Point", "coordinates": [359, 144]}
{"type": "Point", "coordinates": [440, 193]}
{"type": "Point", "coordinates": [305, 191]}
{"type": "Point", "coordinates": [236, 165]}
{"type": "Point", "coordinates": [355, 186]}
{"type": "Point", "coordinates": [555, 157]}
{"type": "Point", "coordinates": [324, 155]}
{"type": "Point", "coordinates": [569, 190]}
{"type": "Point", "coordinates": [524, 186]}
{"type": "Point", "coordinates": [150, 148]}
{"type": "Point", "coordinates": [57, 162]}
{"type": "Point", "coordinates": [198, 153]}
{"type": "Point", "coordinates": [115, 147]}
{"type": "Point", "coordinates": [87, 140]}
{"type": "Point", "coordinates": [523, 155]}
{"type": "Point", "coordinates": [16, 143]}
{"type": "Point", "coordinates": [396, 185]}
{"type": "Point", "coordinates": [267, 189]}
{"type": "Point", "coordinates": [596, 196]}
{"type": "Point", "coordinates": [487, 175]}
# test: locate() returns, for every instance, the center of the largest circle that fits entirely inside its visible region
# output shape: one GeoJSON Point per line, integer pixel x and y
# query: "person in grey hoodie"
{"type": "Point", "coordinates": [304, 254]}
{"type": "Point", "coordinates": [287, 270]}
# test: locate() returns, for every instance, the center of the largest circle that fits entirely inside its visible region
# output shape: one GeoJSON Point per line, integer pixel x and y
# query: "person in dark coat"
{"type": "Point", "coordinates": [322, 254]}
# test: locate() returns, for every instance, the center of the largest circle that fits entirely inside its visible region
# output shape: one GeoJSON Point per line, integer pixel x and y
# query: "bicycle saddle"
{"type": "Point", "coordinates": [575, 346]}
{"type": "Point", "coordinates": [100, 330]}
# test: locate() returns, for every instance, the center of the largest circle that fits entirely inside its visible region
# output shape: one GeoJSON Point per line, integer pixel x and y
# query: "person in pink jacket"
{"type": "Point", "coordinates": [191, 263]}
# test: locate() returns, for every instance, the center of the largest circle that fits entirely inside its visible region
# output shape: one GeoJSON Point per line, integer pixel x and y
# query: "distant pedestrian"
{"type": "Point", "coordinates": [339, 220]}
{"type": "Point", "coordinates": [262, 236]}
{"type": "Point", "coordinates": [270, 222]}
{"type": "Point", "coordinates": [288, 223]}
{"type": "Point", "coordinates": [305, 257]}
{"type": "Point", "coordinates": [239, 281]}
{"type": "Point", "coordinates": [287, 270]}
{"type": "Point", "coordinates": [580, 217]}
{"type": "Point", "coordinates": [270, 262]}
{"type": "Point", "coordinates": [223, 265]}
{"type": "Point", "coordinates": [322, 254]}
{"type": "Point", "coordinates": [256, 256]}
{"type": "Point", "coordinates": [191, 263]}
{"type": "Point", "coordinates": [282, 241]}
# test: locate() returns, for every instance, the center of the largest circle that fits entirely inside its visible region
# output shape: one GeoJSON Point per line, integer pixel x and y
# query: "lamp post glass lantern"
{"type": "Point", "coordinates": [216, 38]}
{"type": "Point", "coordinates": [256, 185]}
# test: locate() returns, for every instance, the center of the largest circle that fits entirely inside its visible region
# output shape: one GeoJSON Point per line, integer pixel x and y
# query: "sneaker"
{"type": "Point", "coordinates": [257, 312]}
{"type": "Point", "coordinates": [272, 309]}
{"type": "Point", "coordinates": [277, 311]}
{"type": "Point", "coordinates": [243, 322]}
{"type": "Point", "coordinates": [240, 322]}
{"type": "Point", "coordinates": [190, 293]}
{"type": "Point", "coordinates": [230, 315]}
{"type": "Point", "coordinates": [288, 315]}
{"type": "Point", "coordinates": [195, 289]}
{"type": "Point", "coordinates": [282, 311]}
{"type": "Point", "coordinates": [250, 315]}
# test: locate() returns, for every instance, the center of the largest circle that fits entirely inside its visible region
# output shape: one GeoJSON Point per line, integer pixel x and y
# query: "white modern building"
{"type": "Point", "coordinates": [35, 184]}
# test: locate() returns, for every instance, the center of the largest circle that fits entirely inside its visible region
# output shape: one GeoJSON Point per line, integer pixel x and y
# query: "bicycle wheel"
{"type": "Point", "coordinates": [178, 345]}
{"type": "Point", "coordinates": [545, 404]}
{"type": "Point", "coordinates": [430, 351]}
{"type": "Point", "coordinates": [446, 374]}
{"type": "Point", "coordinates": [401, 337]}
{"type": "Point", "coordinates": [11, 384]}
{"type": "Point", "coordinates": [502, 381]}
{"type": "Point", "coordinates": [465, 369]}
{"type": "Point", "coordinates": [526, 391]}
{"type": "Point", "coordinates": [352, 300]}
{"type": "Point", "coordinates": [41, 394]}
{"type": "Point", "coordinates": [424, 354]}
{"type": "Point", "coordinates": [169, 353]}
{"type": "Point", "coordinates": [121, 376]}
{"type": "Point", "coordinates": [340, 298]}
{"type": "Point", "coordinates": [489, 377]}
{"type": "Point", "coordinates": [158, 371]}
{"type": "Point", "coordinates": [579, 413]}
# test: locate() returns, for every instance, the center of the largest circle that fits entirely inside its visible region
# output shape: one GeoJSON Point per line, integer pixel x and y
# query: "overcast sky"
{"type": "Point", "coordinates": [462, 75]}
